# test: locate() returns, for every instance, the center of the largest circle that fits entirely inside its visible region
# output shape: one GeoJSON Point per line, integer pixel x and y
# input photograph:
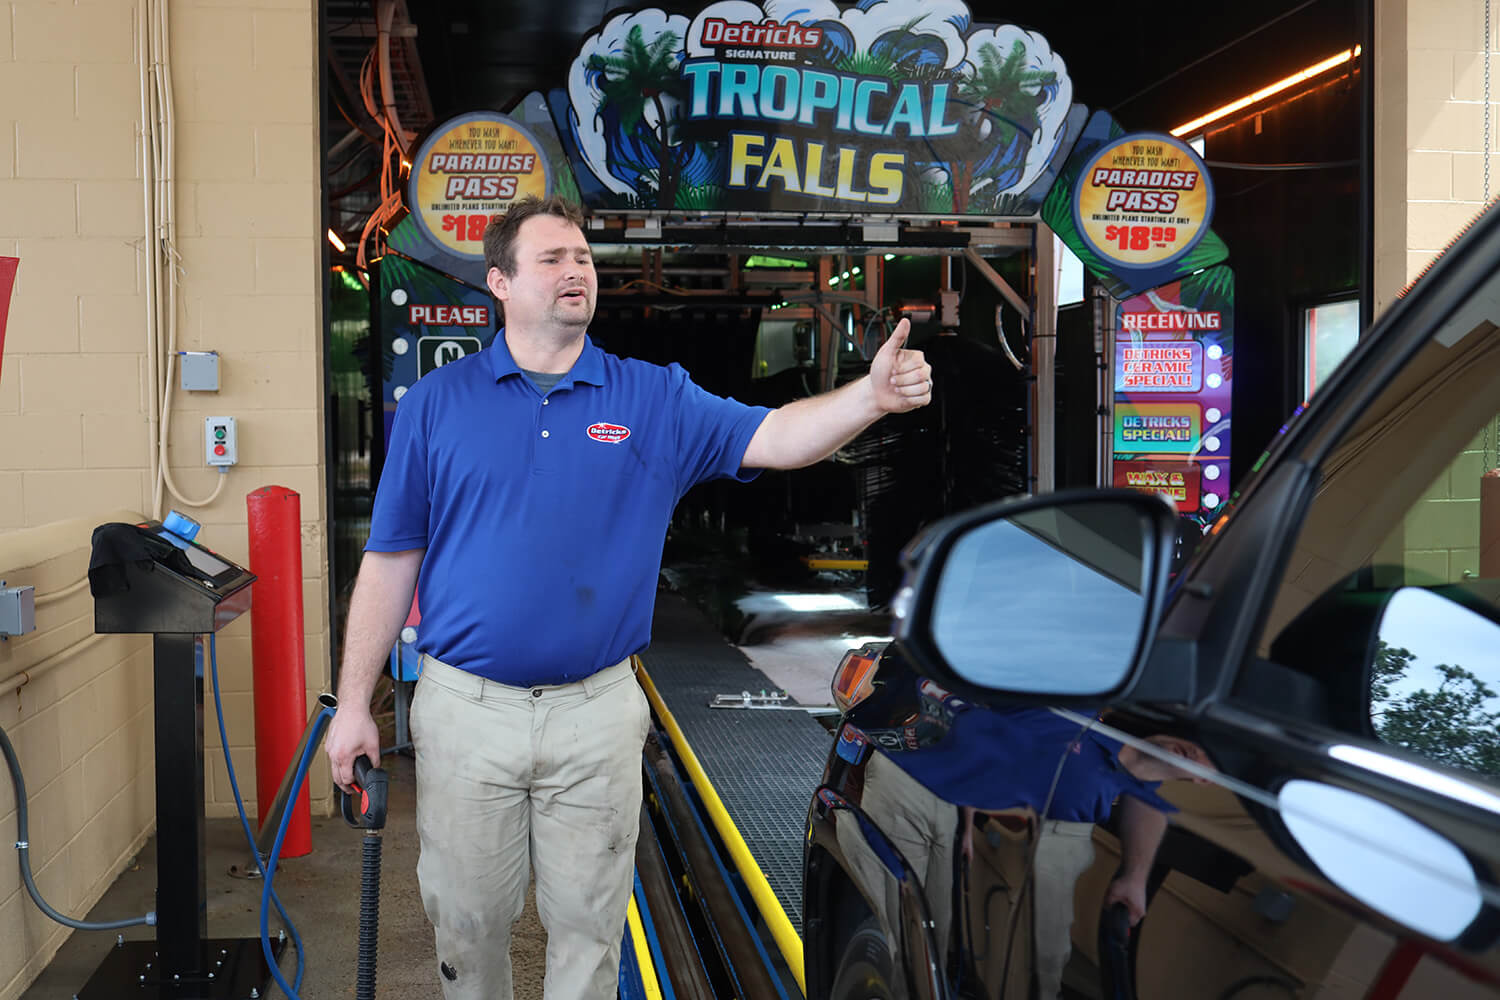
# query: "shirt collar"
{"type": "Point", "coordinates": [588, 368]}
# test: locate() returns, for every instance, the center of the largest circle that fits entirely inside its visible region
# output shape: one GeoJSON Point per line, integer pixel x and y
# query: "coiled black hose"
{"type": "Point", "coordinates": [369, 915]}
{"type": "Point", "coordinates": [23, 849]}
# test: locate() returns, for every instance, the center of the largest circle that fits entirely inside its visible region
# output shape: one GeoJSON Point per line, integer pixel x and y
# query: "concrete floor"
{"type": "Point", "coordinates": [797, 650]}
{"type": "Point", "coordinates": [800, 650]}
{"type": "Point", "coordinates": [321, 893]}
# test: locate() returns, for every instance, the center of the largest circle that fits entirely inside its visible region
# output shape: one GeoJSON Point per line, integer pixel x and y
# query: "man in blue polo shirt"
{"type": "Point", "coordinates": [528, 490]}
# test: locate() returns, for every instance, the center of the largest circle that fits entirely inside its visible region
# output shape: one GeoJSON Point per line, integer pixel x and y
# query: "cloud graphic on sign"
{"type": "Point", "coordinates": [586, 93]}
{"type": "Point", "coordinates": [930, 35]}
{"type": "Point", "coordinates": [1055, 101]}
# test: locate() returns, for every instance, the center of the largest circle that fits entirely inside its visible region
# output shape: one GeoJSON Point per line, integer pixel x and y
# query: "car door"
{"type": "Point", "coordinates": [1346, 640]}
{"type": "Point", "coordinates": [1293, 787]}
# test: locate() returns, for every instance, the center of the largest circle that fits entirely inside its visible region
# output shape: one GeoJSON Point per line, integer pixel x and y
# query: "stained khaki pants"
{"type": "Point", "coordinates": [514, 779]}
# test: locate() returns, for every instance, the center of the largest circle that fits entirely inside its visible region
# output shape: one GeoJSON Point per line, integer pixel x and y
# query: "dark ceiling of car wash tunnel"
{"type": "Point", "coordinates": [1153, 65]}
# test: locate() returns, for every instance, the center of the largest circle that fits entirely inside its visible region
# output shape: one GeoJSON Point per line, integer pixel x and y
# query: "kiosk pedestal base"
{"type": "Point", "coordinates": [233, 968]}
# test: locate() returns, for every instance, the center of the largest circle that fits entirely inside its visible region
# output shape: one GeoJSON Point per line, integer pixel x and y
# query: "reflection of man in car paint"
{"type": "Point", "coordinates": [1069, 778]}
{"type": "Point", "coordinates": [1095, 766]}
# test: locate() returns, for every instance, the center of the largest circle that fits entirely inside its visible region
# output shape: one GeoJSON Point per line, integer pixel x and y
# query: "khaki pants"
{"type": "Point", "coordinates": [511, 780]}
{"type": "Point", "coordinates": [1064, 852]}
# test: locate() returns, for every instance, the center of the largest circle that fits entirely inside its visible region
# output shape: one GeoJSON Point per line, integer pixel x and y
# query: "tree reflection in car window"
{"type": "Point", "coordinates": [1433, 684]}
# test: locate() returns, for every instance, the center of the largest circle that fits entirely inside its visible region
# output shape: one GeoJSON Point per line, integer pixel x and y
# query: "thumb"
{"type": "Point", "coordinates": [897, 339]}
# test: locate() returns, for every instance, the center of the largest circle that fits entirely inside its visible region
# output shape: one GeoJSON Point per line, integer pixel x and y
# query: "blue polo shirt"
{"type": "Point", "coordinates": [1007, 758]}
{"type": "Point", "coordinates": [544, 517]}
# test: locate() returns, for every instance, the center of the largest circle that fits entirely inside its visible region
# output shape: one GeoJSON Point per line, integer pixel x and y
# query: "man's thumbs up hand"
{"type": "Point", "coordinates": [901, 379]}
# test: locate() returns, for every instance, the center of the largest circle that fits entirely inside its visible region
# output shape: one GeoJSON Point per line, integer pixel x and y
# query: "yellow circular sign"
{"type": "Point", "coordinates": [1143, 201]}
{"type": "Point", "coordinates": [469, 170]}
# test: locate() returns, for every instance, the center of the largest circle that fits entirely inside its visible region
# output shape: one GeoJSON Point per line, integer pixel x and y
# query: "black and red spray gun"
{"type": "Point", "coordinates": [371, 784]}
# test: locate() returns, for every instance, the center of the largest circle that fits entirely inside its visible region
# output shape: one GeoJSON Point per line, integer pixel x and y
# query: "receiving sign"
{"type": "Point", "coordinates": [1174, 362]}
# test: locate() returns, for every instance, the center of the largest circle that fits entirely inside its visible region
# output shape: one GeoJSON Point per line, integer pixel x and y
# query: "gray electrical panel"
{"type": "Point", "coordinates": [17, 610]}
{"type": "Point", "coordinates": [200, 371]}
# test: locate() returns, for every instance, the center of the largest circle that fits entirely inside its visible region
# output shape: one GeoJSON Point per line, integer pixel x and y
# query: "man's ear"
{"type": "Point", "coordinates": [498, 285]}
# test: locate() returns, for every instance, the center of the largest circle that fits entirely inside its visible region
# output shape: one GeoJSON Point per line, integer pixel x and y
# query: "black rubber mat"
{"type": "Point", "coordinates": [765, 764]}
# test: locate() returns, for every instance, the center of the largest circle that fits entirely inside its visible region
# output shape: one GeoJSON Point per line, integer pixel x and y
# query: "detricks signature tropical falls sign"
{"type": "Point", "coordinates": [885, 108]}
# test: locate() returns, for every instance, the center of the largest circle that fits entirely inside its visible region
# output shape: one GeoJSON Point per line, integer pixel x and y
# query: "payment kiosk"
{"type": "Point", "coordinates": [152, 578]}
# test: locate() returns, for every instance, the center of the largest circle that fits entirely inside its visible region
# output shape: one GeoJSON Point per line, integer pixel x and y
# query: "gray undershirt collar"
{"type": "Point", "coordinates": [544, 381]}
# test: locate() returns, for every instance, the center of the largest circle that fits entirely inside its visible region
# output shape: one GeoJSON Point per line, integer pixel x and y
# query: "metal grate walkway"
{"type": "Point", "coordinates": [764, 764]}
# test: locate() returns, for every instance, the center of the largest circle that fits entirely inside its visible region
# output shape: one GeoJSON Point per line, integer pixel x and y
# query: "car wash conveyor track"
{"type": "Point", "coordinates": [717, 903]}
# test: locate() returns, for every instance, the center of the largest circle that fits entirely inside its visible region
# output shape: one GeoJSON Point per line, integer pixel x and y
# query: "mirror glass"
{"type": "Point", "coordinates": [1047, 601]}
{"type": "Point", "coordinates": [1435, 682]}
{"type": "Point", "coordinates": [1383, 858]}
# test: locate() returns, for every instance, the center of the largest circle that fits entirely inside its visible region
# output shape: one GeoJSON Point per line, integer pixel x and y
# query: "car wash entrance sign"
{"type": "Point", "coordinates": [894, 107]}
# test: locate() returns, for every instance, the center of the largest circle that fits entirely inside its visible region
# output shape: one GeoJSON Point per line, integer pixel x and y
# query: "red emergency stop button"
{"type": "Point", "coordinates": [220, 450]}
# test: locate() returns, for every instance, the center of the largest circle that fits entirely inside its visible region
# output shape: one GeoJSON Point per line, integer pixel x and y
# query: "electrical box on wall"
{"type": "Point", "coordinates": [200, 371]}
{"type": "Point", "coordinates": [17, 610]}
{"type": "Point", "coordinates": [220, 444]}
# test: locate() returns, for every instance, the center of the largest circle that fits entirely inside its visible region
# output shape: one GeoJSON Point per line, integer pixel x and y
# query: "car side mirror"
{"type": "Point", "coordinates": [1049, 598]}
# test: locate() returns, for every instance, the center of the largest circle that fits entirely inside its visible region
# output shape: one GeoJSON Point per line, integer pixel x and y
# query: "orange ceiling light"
{"type": "Point", "coordinates": [1196, 125]}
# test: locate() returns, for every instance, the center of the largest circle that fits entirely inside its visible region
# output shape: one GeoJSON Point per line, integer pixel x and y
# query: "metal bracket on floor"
{"type": "Point", "coordinates": [764, 700]}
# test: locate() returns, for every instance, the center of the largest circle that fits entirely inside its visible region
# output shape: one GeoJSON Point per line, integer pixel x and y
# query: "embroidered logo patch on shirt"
{"type": "Point", "coordinates": [608, 433]}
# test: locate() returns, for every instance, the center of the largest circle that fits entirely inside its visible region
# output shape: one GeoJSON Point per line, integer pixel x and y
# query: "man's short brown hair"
{"type": "Point", "coordinates": [500, 234]}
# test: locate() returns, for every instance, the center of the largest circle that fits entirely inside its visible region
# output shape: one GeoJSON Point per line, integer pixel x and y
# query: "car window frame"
{"type": "Point", "coordinates": [1273, 505]}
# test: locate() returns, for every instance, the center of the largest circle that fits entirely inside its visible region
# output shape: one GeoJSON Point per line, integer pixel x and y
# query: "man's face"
{"type": "Point", "coordinates": [554, 284]}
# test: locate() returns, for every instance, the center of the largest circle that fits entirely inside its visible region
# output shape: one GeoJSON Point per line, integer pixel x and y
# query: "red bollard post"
{"type": "Point", "coordinates": [276, 645]}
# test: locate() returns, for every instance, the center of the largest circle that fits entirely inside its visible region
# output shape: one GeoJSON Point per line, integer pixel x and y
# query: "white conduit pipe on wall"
{"type": "Point", "coordinates": [21, 678]}
{"type": "Point", "coordinates": [148, 246]}
{"type": "Point", "coordinates": [162, 264]}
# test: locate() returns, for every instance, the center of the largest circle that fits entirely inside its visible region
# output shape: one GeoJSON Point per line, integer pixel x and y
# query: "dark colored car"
{"type": "Point", "coordinates": [1275, 773]}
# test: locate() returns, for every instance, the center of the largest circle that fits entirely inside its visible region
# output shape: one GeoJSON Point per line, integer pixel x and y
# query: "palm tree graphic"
{"type": "Point", "coordinates": [645, 73]}
{"type": "Point", "coordinates": [1004, 98]}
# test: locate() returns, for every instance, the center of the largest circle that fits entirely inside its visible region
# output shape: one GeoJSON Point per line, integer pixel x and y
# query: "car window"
{"type": "Point", "coordinates": [1386, 623]}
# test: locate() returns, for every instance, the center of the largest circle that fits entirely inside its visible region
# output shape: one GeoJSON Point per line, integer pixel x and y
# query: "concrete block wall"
{"type": "Point", "coordinates": [1430, 167]}
{"type": "Point", "coordinates": [1442, 530]}
{"type": "Point", "coordinates": [74, 438]}
{"type": "Point", "coordinates": [77, 709]}
{"type": "Point", "coordinates": [1430, 131]}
